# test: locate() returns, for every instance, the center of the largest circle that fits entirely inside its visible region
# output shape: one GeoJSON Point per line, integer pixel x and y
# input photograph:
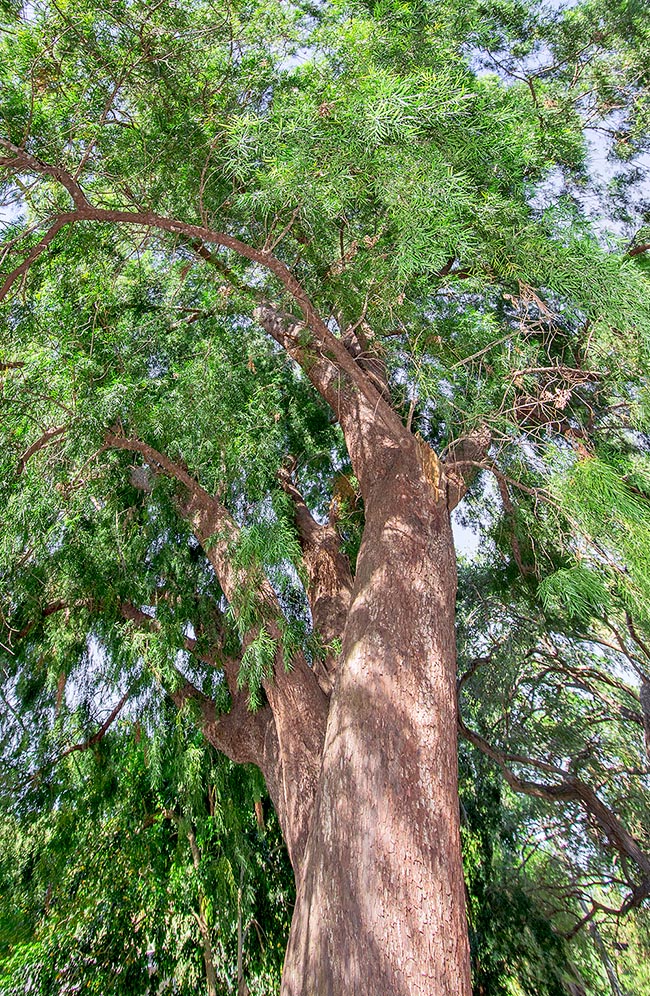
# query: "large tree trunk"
{"type": "Point", "coordinates": [380, 907]}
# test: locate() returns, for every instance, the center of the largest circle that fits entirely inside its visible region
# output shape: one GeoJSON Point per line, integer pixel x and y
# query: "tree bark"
{"type": "Point", "coordinates": [371, 819]}
{"type": "Point", "coordinates": [380, 906]}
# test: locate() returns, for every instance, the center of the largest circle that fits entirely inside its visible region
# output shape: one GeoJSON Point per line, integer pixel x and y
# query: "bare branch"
{"type": "Point", "coordinates": [568, 789]}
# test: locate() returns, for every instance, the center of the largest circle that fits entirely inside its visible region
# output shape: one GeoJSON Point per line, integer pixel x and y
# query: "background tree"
{"type": "Point", "coordinates": [282, 282]}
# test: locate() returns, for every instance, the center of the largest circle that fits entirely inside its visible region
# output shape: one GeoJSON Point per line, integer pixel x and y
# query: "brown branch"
{"type": "Point", "coordinates": [569, 789]}
{"type": "Point", "coordinates": [101, 732]}
{"type": "Point", "coordinates": [40, 444]}
{"type": "Point", "coordinates": [447, 271]}
{"type": "Point", "coordinates": [229, 665]}
{"type": "Point", "coordinates": [86, 744]}
{"type": "Point", "coordinates": [33, 255]}
{"type": "Point", "coordinates": [211, 522]}
{"type": "Point", "coordinates": [461, 461]}
{"type": "Point", "coordinates": [238, 733]}
{"type": "Point", "coordinates": [298, 704]}
{"type": "Point", "coordinates": [343, 383]}
{"type": "Point", "coordinates": [327, 345]}
{"type": "Point", "coordinates": [329, 587]}
{"type": "Point", "coordinates": [50, 609]}
{"type": "Point", "coordinates": [24, 160]}
{"type": "Point", "coordinates": [637, 250]}
{"type": "Point", "coordinates": [631, 628]}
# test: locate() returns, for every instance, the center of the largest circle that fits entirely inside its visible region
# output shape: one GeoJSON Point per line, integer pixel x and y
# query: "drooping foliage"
{"type": "Point", "coordinates": [458, 190]}
{"type": "Point", "coordinates": [147, 861]}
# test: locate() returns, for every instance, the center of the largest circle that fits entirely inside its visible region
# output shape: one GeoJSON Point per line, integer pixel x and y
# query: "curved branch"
{"type": "Point", "coordinates": [239, 733]}
{"type": "Point", "coordinates": [88, 744]}
{"type": "Point", "coordinates": [24, 160]}
{"type": "Point", "coordinates": [568, 789]}
{"type": "Point", "coordinates": [327, 345]}
{"type": "Point", "coordinates": [40, 444]}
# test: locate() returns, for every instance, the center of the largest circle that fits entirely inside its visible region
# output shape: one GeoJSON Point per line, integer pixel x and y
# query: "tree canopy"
{"type": "Point", "coordinates": [252, 252]}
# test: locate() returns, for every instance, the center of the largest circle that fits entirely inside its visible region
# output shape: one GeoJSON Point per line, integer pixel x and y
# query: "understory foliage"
{"type": "Point", "coordinates": [458, 190]}
{"type": "Point", "coordinates": [127, 856]}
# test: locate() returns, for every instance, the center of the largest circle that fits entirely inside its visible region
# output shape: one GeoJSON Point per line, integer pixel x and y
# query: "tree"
{"type": "Point", "coordinates": [282, 283]}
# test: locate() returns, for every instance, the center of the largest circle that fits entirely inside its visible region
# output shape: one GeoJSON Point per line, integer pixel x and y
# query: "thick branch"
{"type": "Point", "coordinates": [460, 460]}
{"type": "Point", "coordinates": [292, 751]}
{"type": "Point", "coordinates": [239, 733]}
{"type": "Point", "coordinates": [341, 381]}
{"type": "Point", "coordinates": [331, 350]}
{"type": "Point", "coordinates": [329, 587]}
{"type": "Point", "coordinates": [367, 419]}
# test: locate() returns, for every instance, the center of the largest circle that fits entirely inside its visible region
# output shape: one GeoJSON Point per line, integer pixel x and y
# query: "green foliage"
{"type": "Point", "coordinates": [107, 888]}
{"type": "Point", "coordinates": [514, 948]}
{"type": "Point", "coordinates": [257, 665]}
{"type": "Point", "coordinates": [424, 171]}
{"type": "Point", "coordinates": [576, 590]}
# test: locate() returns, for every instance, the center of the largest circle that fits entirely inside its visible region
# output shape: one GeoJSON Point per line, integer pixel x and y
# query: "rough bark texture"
{"type": "Point", "coordinates": [365, 786]}
{"type": "Point", "coordinates": [644, 698]}
{"type": "Point", "coordinates": [380, 907]}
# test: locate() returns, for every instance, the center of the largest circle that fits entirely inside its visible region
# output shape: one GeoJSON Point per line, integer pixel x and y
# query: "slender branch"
{"type": "Point", "coordinates": [569, 789]}
{"type": "Point", "coordinates": [92, 741]}
{"type": "Point", "coordinates": [33, 255]}
{"type": "Point", "coordinates": [101, 732]}
{"type": "Point", "coordinates": [40, 443]}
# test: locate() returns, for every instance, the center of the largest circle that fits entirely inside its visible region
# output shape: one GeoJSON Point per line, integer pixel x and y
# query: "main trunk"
{"type": "Point", "coordinates": [380, 905]}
